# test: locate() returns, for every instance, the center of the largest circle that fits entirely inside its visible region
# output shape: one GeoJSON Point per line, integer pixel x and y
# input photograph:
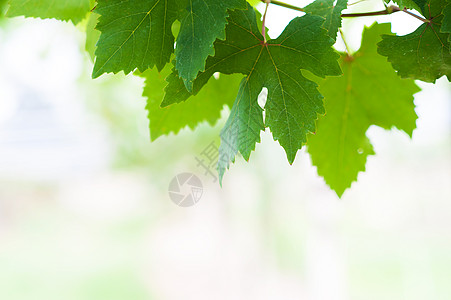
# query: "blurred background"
{"type": "Point", "coordinates": [85, 211]}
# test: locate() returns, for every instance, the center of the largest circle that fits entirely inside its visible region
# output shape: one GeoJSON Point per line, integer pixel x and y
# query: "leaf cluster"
{"type": "Point", "coordinates": [208, 54]}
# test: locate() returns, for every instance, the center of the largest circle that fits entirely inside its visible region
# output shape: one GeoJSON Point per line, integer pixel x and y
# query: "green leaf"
{"type": "Point", "coordinates": [134, 34]}
{"type": "Point", "coordinates": [176, 91]}
{"type": "Point", "coordinates": [92, 35]}
{"type": "Point", "coordinates": [137, 34]}
{"type": "Point", "coordinates": [369, 93]}
{"type": "Point", "coordinates": [293, 101]}
{"type": "Point", "coordinates": [242, 129]}
{"type": "Point", "coordinates": [329, 11]}
{"type": "Point", "coordinates": [203, 22]}
{"type": "Point", "coordinates": [206, 106]}
{"type": "Point", "coordinates": [73, 10]}
{"type": "Point", "coordinates": [423, 54]}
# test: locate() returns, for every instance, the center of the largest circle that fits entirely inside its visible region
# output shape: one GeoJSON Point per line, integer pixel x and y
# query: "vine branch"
{"type": "Point", "coordinates": [387, 11]}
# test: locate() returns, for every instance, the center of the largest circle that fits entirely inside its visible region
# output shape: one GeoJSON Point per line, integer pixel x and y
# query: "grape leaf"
{"type": "Point", "coordinates": [73, 10]}
{"type": "Point", "coordinates": [293, 101]}
{"type": "Point", "coordinates": [176, 91]}
{"type": "Point", "coordinates": [327, 10]}
{"type": "Point", "coordinates": [203, 22]}
{"type": "Point", "coordinates": [369, 93]}
{"type": "Point", "coordinates": [423, 54]}
{"type": "Point", "coordinates": [242, 129]}
{"type": "Point", "coordinates": [134, 34]}
{"type": "Point", "coordinates": [205, 106]}
{"type": "Point", "coordinates": [92, 35]}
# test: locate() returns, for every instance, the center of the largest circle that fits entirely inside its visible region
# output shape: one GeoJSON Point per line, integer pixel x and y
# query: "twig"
{"type": "Point", "coordinates": [387, 11]}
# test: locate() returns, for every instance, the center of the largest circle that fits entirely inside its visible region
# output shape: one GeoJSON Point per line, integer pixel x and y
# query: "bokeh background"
{"type": "Point", "coordinates": [85, 212]}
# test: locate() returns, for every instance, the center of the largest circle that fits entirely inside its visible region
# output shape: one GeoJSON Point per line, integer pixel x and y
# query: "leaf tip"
{"type": "Point", "coordinates": [96, 73]}
{"type": "Point", "coordinates": [221, 172]}
{"type": "Point", "coordinates": [339, 192]}
{"type": "Point", "coordinates": [188, 85]}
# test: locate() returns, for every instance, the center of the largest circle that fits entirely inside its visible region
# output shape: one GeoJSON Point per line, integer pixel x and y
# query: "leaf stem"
{"type": "Point", "coordinates": [264, 21]}
{"type": "Point", "coordinates": [286, 5]}
{"type": "Point", "coordinates": [354, 3]}
{"type": "Point", "coordinates": [348, 50]}
{"type": "Point", "coordinates": [416, 16]}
